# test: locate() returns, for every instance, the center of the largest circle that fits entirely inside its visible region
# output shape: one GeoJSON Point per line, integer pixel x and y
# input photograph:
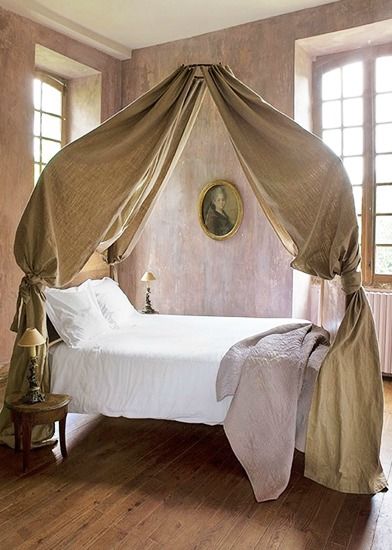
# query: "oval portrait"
{"type": "Point", "coordinates": [220, 209]}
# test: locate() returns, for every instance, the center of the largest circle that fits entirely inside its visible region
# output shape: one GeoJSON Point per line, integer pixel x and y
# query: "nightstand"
{"type": "Point", "coordinates": [25, 416]}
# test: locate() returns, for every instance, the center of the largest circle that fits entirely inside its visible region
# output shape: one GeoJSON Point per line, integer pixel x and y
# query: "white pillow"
{"type": "Point", "coordinates": [75, 314]}
{"type": "Point", "coordinates": [114, 304]}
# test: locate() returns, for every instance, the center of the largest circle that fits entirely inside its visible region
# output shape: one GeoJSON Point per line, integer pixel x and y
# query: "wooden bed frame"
{"type": "Point", "coordinates": [95, 268]}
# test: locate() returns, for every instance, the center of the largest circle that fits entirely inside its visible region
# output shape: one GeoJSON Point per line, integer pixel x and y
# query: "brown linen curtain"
{"type": "Point", "coordinates": [105, 176]}
{"type": "Point", "coordinates": [305, 192]}
{"type": "Point", "coordinates": [100, 189]}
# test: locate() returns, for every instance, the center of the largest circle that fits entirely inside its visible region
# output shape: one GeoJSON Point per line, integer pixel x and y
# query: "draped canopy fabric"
{"type": "Point", "coordinates": [97, 193]}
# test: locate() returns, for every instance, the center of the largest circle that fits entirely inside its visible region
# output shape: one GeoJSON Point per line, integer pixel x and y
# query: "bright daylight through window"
{"type": "Point", "coordinates": [48, 120]}
{"type": "Point", "coordinates": [354, 118]}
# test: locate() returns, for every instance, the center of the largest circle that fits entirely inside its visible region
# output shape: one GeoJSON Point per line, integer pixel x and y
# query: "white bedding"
{"type": "Point", "coordinates": [163, 366]}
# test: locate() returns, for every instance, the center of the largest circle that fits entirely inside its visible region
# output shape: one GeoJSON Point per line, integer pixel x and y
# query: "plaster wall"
{"type": "Point", "coordinates": [18, 38]}
{"type": "Point", "coordinates": [83, 105]}
{"type": "Point", "coordinates": [248, 274]}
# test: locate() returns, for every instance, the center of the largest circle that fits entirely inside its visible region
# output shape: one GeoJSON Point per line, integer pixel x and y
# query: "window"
{"type": "Point", "coordinates": [353, 116]}
{"type": "Point", "coordinates": [48, 120]}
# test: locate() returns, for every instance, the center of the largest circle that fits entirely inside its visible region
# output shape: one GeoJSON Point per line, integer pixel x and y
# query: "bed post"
{"type": "Point", "coordinates": [114, 272]}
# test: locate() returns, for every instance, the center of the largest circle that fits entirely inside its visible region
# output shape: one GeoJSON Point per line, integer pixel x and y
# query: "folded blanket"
{"type": "Point", "coordinates": [271, 377]}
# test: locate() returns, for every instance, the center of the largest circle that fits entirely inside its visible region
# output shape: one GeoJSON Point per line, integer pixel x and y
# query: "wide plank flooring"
{"type": "Point", "coordinates": [153, 485]}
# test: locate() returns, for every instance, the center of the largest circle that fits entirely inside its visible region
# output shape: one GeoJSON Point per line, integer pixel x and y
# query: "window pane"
{"type": "Point", "coordinates": [333, 139]}
{"type": "Point", "coordinates": [384, 199]}
{"type": "Point", "coordinates": [37, 153]}
{"type": "Point", "coordinates": [384, 168]}
{"type": "Point", "coordinates": [354, 167]}
{"type": "Point", "coordinates": [37, 172]}
{"type": "Point", "coordinates": [51, 99]}
{"type": "Point", "coordinates": [49, 149]}
{"type": "Point", "coordinates": [358, 199]}
{"type": "Point", "coordinates": [359, 220]}
{"type": "Point", "coordinates": [352, 141]}
{"type": "Point", "coordinates": [51, 127]}
{"type": "Point", "coordinates": [353, 79]}
{"type": "Point", "coordinates": [331, 84]}
{"type": "Point", "coordinates": [384, 74]}
{"type": "Point", "coordinates": [384, 260]}
{"type": "Point", "coordinates": [383, 138]}
{"type": "Point", "coordinates": [37, 93]}
{"type": "Point", "coordinates": [383, 229]}
{"type": "Point", "coordinates": [37, 123]}
{"type": "Point", "coordinates": [384, 108]}
{"type": "Point", "coordinates": [353, 112]}
{"type": "Point", "coordinates": [332, 116]}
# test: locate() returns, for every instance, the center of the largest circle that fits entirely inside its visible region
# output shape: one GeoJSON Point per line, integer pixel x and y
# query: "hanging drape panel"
{"type": "Point", "coordinates": [86, 194]}
{"type": "Point", "coordinates": [138, 217]}
{"type": "Point", "coordinates": [305, 192]}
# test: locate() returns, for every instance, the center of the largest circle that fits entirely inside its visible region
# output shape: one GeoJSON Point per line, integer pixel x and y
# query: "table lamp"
{"type": "Point", "coordinates": [30, 339]}
{"type": "Point", "coordinates": [148, 277]}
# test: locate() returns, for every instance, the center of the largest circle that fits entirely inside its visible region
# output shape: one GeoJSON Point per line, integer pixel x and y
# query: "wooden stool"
{"type": "Point", "coordinates": [25, 416]}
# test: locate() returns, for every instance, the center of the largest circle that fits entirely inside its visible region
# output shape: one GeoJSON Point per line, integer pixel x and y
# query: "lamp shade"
{"type": "Point", "coordinates": [31, 337]}
{"type": "Point", "coordinates": [148, 276]}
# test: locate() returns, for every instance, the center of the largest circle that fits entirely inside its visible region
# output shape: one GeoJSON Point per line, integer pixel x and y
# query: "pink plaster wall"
{"type": "Point", "coordinates": [248, 274]}
{"type": "Point", "coordinates": [83, 105]}
{"type": "Point", "coordinates": [18, 37]}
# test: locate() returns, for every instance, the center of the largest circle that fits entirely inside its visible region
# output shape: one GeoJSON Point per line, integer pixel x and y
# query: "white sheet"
{"type": "Point", "coordinates": [163, 366]}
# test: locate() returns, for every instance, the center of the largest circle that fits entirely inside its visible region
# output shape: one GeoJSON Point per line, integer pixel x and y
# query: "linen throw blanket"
{"type": "Point", "coordinates": [271, 376]}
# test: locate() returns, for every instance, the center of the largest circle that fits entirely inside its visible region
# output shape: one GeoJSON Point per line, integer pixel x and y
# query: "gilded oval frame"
{"type": "Point", "coordinates": [240, 208]}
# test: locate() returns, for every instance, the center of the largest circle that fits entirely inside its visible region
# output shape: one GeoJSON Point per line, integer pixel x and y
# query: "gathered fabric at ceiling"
{"type": "Point", "coordinates": [98, 192]}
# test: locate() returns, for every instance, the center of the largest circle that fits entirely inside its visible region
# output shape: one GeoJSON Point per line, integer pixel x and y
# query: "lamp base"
{"type": "Point", "coordinates": [148, 309]}
{"type": "Point", "coordinates": [147, 306]}
{"type": "Point", "coordinates": [34, 394]}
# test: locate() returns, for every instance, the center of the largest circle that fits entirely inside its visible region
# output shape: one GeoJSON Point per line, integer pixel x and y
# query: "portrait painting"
{"type": "Point", "coordinates": [220, 209]}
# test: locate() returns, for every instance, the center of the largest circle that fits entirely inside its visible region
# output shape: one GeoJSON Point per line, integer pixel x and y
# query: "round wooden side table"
{"type": "Point", "coordinates": [25, 416]}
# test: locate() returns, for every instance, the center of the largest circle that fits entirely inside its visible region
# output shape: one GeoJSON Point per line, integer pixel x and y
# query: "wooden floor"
{"type": "Point", "coordinates": [166, 485]}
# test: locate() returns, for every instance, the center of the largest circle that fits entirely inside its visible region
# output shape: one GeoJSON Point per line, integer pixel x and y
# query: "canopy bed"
{"type": "Point", "coordinates": [97, 194]}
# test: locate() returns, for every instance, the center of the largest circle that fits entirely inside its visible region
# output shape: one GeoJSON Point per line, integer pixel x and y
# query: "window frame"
{"type": "Point", "coordinates": [321, 65]}
{"type": "Point", "coordinates": [61, 85]}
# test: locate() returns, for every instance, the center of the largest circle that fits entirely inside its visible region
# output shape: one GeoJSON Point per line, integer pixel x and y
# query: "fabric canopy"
{"type": "Point", "coordinates": [97, 193]}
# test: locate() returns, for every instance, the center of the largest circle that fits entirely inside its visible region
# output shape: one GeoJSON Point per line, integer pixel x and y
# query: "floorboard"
{"type": "Point", "coordinates": [148, 484]}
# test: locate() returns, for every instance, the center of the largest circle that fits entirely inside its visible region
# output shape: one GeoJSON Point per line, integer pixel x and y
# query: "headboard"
{"type": "Point", "coordinates": [95, 268]}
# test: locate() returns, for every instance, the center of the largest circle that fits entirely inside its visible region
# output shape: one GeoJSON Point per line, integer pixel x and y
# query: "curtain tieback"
{"type": "Point", "coordinates": [28, 282]}
{"type": "Point", "coordinates": [351, 281]}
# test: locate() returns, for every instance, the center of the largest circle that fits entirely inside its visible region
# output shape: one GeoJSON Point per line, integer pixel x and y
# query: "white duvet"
{"type": "Point", "coordinates": [161, 366]}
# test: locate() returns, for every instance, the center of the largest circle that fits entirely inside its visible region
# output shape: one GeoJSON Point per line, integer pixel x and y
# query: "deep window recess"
{"type": "Point", "coordinates": [353, 116]}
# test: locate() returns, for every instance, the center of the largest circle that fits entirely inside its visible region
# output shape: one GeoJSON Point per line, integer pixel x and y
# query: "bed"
{"type": "Point", "coordinates": [253, 375]}
{"type": "Point", "coordinates": [161, 366]}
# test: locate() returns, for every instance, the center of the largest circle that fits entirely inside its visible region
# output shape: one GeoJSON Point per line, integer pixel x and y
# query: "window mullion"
{"type": "Point", "coordinates": [369, 177]}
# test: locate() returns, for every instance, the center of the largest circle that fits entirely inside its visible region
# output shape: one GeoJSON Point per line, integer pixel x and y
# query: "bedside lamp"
{"type": "Point", "coordinates": [147, 278]}
{"type": "Point", "coordinates": [30, 339]}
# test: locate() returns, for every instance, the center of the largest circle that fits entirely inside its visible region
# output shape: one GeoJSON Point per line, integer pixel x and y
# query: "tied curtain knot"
{"type": "Point", "coordinates": [351, 281]}
{"type": "Point", "coordinates": [30, 283]}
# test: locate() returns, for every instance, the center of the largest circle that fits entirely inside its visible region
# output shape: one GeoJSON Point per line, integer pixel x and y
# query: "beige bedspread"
{"type": "Point", "coordinates": [271, 377]}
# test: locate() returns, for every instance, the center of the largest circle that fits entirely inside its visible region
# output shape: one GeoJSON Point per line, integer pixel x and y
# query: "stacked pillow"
{"type": "Point", "coordinates": [113, 303]}
{"type": "Point", "coordinates": [80, 314]}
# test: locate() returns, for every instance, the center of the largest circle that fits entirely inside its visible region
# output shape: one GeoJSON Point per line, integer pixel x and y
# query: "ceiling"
{"type": "Point", "coordinates": [119, 26]}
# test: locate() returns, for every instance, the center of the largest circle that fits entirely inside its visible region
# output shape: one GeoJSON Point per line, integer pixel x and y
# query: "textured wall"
{"type": "Point", "coordinates": [248, 274]}
{"type": "Point", "coordinates": [18, 37]}
{"type": "Point", "coordinates": [198, 275]}
{"type": "Point", "coordinates": [83, 105]}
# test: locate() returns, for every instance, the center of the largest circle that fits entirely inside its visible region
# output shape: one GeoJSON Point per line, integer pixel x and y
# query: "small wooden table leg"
{"type": "Point", "coordinates": [26, 427]}
{"type": "Point", "coordinates": [62, 436]}
{"type": "Point", "coordinates": [16, 421]}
